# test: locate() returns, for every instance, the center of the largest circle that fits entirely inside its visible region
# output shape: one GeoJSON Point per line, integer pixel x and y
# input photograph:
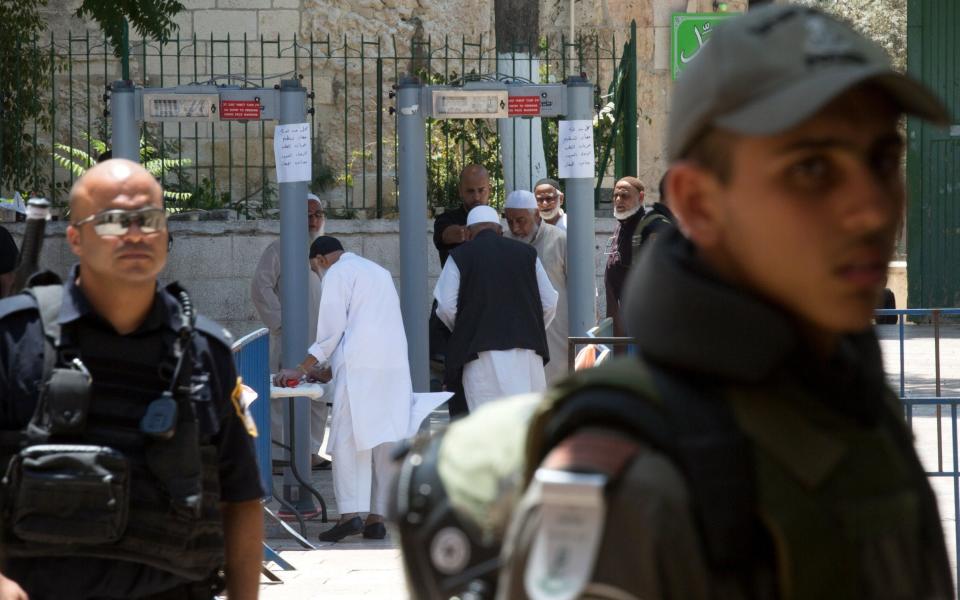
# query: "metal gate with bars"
{"type": "Point", "coordinates": [47, 140]}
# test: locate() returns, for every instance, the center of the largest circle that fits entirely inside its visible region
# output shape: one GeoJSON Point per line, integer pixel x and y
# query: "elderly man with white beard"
{"type": "Point", "coordinates": [628, 211]}
{"type": "Point", "coordinates": [524, 224]}
{"type": "Point", "coordinates": [265, 292]}
{"type": "Point", "coordinates": [550, 202]}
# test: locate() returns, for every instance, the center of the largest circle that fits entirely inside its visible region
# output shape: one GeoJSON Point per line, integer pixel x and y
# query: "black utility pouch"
{"type": "Point", "coordinates": [67, 401]}
{"type": "Point", "coordinates": [68, 494]}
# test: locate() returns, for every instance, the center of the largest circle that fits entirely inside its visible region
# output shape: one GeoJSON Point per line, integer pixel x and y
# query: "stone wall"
{"type": "Point", "coordinates": [215, 260]}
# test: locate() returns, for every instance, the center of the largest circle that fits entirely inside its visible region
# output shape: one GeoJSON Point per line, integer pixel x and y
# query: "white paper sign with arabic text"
{"type": "Point", "coordinates": [575, 155]}
{"type": "Point", "coordinates": [291, 148]}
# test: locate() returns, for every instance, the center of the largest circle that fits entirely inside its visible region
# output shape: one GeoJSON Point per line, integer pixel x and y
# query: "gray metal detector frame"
{"type": "Point", "coordinates": [415, 103]}
{"type": "Point", "coordinates": [286, 103]}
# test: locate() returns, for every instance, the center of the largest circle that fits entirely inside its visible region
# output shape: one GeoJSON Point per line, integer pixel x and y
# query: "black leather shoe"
{"type": "Point", "coordinates": [342, 530]}
{"type": "Point", "coordinates": [374, 531]}
{"type": "Point", "coordinates": [320, 464]}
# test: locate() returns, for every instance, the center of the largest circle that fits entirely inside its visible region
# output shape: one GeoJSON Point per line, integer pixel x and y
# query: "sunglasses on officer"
{"type": "Point", "coordinates": [117, 222]}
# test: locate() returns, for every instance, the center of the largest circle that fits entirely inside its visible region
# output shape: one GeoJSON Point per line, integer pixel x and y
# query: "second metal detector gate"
{"type": "Point", "coordinates": [487, 100]}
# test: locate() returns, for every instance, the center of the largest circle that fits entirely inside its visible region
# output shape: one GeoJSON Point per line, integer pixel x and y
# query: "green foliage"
{"type": "Point", "coordinates": [25, 72]}
{"type": "Point", "coordinates": [79, 161]}
{"type": "Point", "coordinates": [324, 177]}
{"type": "Point", "coordinates": [269, 195]}
{"type": "Point", "coordinates": [205, 197]}
{"type": "Point", "coordinates": [149, 18]}
{"type": "Point", "coordinates": [454, 144]}
{"type": "Point", "coordinates": [346, 178]}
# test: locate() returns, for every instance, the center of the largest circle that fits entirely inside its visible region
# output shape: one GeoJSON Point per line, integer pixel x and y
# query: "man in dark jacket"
{"type": "Point", "coordinates": [657, 220]}
{"type": "Point", "coordinates": [449, 231]}
{"type": "Point", "coordinates": [628, 210]}
{"type": "Point", "coordinates": [450, 228]}
{"type": "Point", "coordinates": [497, 300]}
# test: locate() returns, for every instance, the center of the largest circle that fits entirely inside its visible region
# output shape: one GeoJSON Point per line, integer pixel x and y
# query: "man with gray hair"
{"type": "Point", "coordinates": [550, 202]}
{"type": "Point", "coordinates": [524, 224]}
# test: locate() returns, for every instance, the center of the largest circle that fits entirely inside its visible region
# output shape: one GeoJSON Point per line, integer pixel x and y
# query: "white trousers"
{"type": "Point", "coordinates": [499, 373]}
{"type": "Point", "coordinates": [318, 423]}
{"type": "Point", "coordinates": [361, 478]}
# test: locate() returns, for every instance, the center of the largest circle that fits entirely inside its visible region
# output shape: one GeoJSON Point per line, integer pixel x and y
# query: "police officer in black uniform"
{"type": "Point", "coordinates": [130, 470]}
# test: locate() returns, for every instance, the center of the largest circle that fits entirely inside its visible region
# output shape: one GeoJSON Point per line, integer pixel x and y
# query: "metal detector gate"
{"type": "Point", "coordinates": [285, 103]}
{"type": "Point", "coordinates": [486, 100]}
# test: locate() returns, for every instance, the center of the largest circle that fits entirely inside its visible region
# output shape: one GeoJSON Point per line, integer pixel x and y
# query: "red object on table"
{"type": "Point", "coordinates": [293, 382]}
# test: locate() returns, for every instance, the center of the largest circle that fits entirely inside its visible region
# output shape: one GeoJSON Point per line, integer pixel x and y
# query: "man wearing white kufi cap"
{"type": "Point", "coordinates": [497, 300]}
{"type": "Point", "coordinates": [524, 224]}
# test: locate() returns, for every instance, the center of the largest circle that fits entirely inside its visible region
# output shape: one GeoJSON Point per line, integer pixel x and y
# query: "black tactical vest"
{"type": "Point", "coordinates": [780, 484]}
{"type": "Point", "coordinates": [85, 480]}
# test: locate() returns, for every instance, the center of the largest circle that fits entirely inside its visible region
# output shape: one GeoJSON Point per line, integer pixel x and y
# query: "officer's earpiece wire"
{"type": "Point", "coordinates": [171, 421]}
{"type": "Point", "coordinates": [187, 318]}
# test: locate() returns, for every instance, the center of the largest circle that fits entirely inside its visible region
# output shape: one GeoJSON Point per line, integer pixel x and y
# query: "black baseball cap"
{"type": "Point", "coordinates": [324, 245]}
{"type": "Point", "coordinates": [772, 68]}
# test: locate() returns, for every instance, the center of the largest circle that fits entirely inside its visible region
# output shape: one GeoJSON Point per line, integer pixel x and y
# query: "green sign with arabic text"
{"type": "Point", "coordinates": [690, 32]}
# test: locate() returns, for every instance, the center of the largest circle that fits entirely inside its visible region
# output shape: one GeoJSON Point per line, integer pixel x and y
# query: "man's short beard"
{"type": "Point", "coordinates": [550, 214]}
{"type": "Point", "coordinates": [527, 239]}
{"type": "Point", "coordinates": [533, 234]}
{"type": "Point", "coordinates": [626, 214]}
{"type": "Point", "coordinates": [315, 234]}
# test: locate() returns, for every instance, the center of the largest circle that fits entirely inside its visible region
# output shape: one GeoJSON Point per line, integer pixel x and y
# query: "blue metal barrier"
{"type": "Point", "coordinates": [938, 401]}
{"type": "Point", "coordinates": [252, 357]}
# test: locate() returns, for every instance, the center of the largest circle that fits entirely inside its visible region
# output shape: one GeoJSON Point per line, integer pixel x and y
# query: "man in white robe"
{"type": "Point", "coordinates": [360, 335]}
{"type": "Point", "coordinates": [525, 225]}
{"type": "Point", "coordinates": [265, 292]}
{"type": "Point", "coordinates": [498, 341]}
{"type": "Point", "coordinates": [550, 202]}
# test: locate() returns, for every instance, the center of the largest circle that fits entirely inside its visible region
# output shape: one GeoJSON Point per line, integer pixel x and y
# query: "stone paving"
{"type": "Point", "coordinates": [367, 569]}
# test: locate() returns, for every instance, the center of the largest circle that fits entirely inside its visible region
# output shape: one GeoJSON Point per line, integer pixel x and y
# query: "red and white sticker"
{"type": "Point", "coordinates": [523, 106]}
{"type": "Point", "coordinates": [240, 110]}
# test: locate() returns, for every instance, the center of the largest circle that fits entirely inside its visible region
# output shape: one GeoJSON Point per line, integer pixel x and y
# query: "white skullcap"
{"type": "Point", "coordinates": [482, 214]}
{"type": "Point", "coordinates": [521, 199]}
{"type": "Point", "coordinates": [315, 198]}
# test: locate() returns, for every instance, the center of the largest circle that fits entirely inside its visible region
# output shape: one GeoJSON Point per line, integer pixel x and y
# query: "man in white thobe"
{"type": "Point", "coordinates": [550, 202]}
{"type": "Point", "coordinates": [265, 292]}
{"type": "Point", "coordinates": [525, 225]}
{"type": "Point", "coordinates": [360, 335]}
{"type": "Point", "coordinates": [497, 300]}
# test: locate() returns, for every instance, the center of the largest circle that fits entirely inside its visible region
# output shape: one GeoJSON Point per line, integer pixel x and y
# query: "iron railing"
{"type": "Point", "coordinates": [920, 402]}
{"type": "Point", "coordinates": [230, 164]}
